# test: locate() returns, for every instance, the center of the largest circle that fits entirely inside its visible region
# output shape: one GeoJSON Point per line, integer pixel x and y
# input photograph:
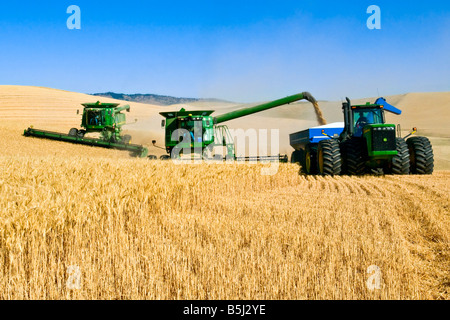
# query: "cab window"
{"type": "Point", "coordinates": [363, 117]}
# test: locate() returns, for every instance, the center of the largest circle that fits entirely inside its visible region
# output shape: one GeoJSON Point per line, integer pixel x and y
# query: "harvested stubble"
{"type": "Point", "coordinates": [141, 229]}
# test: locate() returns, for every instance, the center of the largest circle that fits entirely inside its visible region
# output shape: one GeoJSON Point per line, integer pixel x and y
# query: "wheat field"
{"type": "Point", "coordinates": [80, 222]}
{"type": "Point", "coordinates": [139, 229]}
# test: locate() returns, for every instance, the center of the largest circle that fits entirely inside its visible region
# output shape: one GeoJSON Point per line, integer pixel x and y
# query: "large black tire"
{"type": "Point", "coordinates": [73, 132]}
{"type": "Point", "coordinates": [164, 157]}
{"type": "Point", "coordinates": [81, 133]}
{"type": "Point", "coordinates": [309, 160]}
{"type": "Point", "coordinates": [329, 157]}
{"type": "Point", "coordinates": [400, 162]}
{"type": "Point", "coordinates": [421, 156]}
{"type": "Point", "coordinates": [353, 157]}
{"type": "Point", "coordinates": [295, 157]}
{"type": "Point", "coordinates": [298, 157]}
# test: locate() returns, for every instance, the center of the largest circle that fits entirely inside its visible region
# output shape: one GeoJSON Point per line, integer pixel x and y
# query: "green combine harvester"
{"type": "Point", "coordinates": [200, 132]}
{"type": "Point", "coordinates": [104, 118]}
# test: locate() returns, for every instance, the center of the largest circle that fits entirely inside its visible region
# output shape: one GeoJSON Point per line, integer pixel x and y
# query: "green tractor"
{"type": "Point", "coordinates": [104, 118]}
{"type": "Point", "coordinates": [366, 144]}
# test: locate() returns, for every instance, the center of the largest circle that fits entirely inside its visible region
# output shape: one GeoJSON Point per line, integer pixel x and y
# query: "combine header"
{"type": "Point", "coordinates": [200, 132]}
{"type": "Point", "coordinates": [103, 118]}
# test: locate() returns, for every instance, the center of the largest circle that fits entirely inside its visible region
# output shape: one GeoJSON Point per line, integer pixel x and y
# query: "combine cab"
{"type": "Point", "coordinates": [364, 143]}
{"type": "Point", "coordinates": [103, 118]}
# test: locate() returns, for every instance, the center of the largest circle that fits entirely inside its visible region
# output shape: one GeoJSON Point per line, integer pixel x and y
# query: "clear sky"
{"type": "Point", "coordinates": [237, 50]}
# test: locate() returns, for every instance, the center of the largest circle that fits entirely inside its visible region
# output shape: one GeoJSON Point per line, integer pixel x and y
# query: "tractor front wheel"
{"type": "Point", "coordinates": [420, 155]}
{"type": "Point", "coordinates": [329, 158]}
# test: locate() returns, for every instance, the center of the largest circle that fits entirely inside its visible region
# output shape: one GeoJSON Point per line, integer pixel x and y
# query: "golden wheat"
{"type": "Point", "coordinates": [139, 229]}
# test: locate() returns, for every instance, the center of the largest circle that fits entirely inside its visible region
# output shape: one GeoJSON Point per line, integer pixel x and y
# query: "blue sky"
{"type": "Point", "coordinates": [237, 50]}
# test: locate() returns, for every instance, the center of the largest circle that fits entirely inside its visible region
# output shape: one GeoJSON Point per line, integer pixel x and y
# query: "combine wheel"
{"type": "Point", "coordinates": [352, 152]}
{"type": "Point", "coordinates": [164, 157]}
{"type": "Point", "coordinates": [420, 155]}
{"type": "Point", "coordinates": [73, 132]}
{"type": "Point", "coordinates": [126, 139]}
{"type": "Point", "coordinates": [81, 133]}
{"type": "Point", "coordinates": [329, 157]}
{"type": "Point", "coordinates": [400, 162]}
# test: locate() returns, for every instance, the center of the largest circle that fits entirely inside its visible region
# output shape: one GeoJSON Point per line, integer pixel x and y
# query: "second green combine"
{"type": "Point", "coordinates": [199, 132]}
{"type": "Point", "coordinates": [106, 119]}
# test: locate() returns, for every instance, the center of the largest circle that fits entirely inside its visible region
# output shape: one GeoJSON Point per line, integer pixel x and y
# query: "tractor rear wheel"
{"type": "Point", "coordinates": [73, 132]}
{"type": "Point", "coordinates": [329, 157]}
{"type": "Point", "coordinates": [400, 162]}
{"type": "Point", "coordinates": [420, 155]}
{"type": "Point", "coordinates": [353, 159]}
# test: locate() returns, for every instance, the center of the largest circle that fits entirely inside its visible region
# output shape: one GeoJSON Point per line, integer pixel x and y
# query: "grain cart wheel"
{"type": "Point", "coordinates": [352, 154]}
{"type": "Point", "coordinates": [297, 156]}
{"type": "Point", "coordinates": [73, 132]}
{"type": "Point", "coordinates": [329, 157]}
{"type": "Point", "coordinates": [400, 162]}
{"type": "Point", "coordinates": [421, 156]}
{"type": "Point", "coordinates": [310, 161]}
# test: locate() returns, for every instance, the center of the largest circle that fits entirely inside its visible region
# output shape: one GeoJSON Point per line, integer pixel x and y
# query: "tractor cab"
{"type": "Point", "coordinates": [365, 127]}
{"type": "Point", "coordinates": [365, 115]}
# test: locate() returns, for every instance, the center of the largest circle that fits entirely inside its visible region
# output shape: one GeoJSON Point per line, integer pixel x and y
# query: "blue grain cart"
{"type": "Point", "coordinates": [305, 143]}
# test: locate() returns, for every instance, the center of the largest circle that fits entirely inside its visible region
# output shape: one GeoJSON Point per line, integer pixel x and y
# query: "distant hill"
{"type": "Point", "coordinates": [154, 99]}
